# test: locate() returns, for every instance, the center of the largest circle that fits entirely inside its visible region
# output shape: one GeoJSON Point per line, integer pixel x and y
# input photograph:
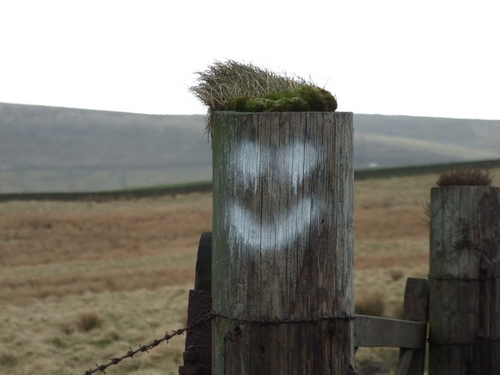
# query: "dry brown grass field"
{"type": "Point", "coordinates": [81, 282]}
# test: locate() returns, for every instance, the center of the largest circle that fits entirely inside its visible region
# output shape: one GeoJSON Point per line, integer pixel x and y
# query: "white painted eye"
{"type": "Point", "coordinates": [290, 163]}
{"type": "Point", "coordinates": [246, 162]}
{"type": "Point", "coordinates": [300, 160]}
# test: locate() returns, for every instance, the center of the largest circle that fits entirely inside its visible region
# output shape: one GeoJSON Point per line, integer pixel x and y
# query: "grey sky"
{"type": "Point", "coordinates": [424, 58]}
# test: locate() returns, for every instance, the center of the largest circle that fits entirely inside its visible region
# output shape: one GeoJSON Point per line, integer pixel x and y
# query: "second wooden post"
{"type": "Point", "coordinates": [283, 243]}
{"type": "Point", "coordinates": [464, 281]}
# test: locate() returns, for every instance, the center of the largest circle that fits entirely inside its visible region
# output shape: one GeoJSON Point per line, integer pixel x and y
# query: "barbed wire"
{"type": "Point", "coordinates": [278, 321]}
{"type": "Point", "coordinates": [199, 323]}
{"type": "Point", "coordinates": [153, 344]}
{"type": "Point", "coordinates": [453, 278]}
{"type": "Point", "coordinates": [459, 343]}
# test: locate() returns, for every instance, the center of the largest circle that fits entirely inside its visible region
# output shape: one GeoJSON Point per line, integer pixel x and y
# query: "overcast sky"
{"type": "Point", "coordinates": [423, 58]}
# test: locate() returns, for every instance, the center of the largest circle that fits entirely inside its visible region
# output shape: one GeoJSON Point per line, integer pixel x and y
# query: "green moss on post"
{"type": "Point", "coordinates": [306, 98]}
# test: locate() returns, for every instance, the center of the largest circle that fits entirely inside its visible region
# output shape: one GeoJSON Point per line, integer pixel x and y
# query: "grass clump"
{"type": "Point", "coordinates": [8, 360]}
{"type": "Point", "coordinates": [464, 177]}
{"type": "Point", "coordinates": [235, 86]}
{"type": "Point", "coordinates": [371, 304]}
{"type": "Point", "coordinates": [396, 274]}
{"type": "Point", "coordinates": [88, 321]}
{"type": "Point", "coordinates": [58, 343]}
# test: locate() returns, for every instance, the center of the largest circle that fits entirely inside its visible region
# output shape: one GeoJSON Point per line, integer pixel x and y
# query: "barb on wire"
{"type": "Point", "coordinates": [155, 343]}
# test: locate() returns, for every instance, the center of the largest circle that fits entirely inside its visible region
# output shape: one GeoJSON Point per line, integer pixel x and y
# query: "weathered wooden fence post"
{"type": "Point", "coordinates": [464, 290]}
{"type": "Point", "coordinates": [283, 243]}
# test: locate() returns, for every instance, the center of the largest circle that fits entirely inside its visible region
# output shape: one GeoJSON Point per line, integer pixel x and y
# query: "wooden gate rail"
{"type": "Point", "coordinates": [372, 331]}
{"type": "Point", "coordinates": [408, 334]}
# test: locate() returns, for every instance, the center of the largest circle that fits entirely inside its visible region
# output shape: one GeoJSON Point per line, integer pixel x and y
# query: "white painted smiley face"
{"type": "Point", "coordinates": [288, 166]}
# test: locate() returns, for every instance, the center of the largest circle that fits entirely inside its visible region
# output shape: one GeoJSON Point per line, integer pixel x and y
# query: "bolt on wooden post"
{"type": "Point", "coordinates": [283, 243]}
{"type": "Point", "coordinates": [464, 281]}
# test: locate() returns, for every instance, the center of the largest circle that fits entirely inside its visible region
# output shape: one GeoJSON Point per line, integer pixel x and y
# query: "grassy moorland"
{"type": "Point", "coordinates": [125, 265]}
{"type": "Point", "coordinates": [81, 282]}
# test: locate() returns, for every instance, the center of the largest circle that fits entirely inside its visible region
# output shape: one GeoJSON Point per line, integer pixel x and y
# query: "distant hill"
{"type": "Point", "coordinates": [64, 149]}
{"type": "Point", "coordinates": [46, 137]}
{"type": "Point", "coordinates": [389, 141]}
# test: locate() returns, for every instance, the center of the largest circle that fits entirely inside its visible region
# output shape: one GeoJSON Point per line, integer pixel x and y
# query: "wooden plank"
{"type": "Point", "coordinates": [404, 366]}
{"type": "Point", "coordinates": [283, 242]}
{"type": "Point", "coordinates": [372, 331]}
{"type": "Point", "coordinates": [416, 308]}
{"type": "Point", "coordinates": [464, 282]}
{"type": "Point", "coordinates": [203, 277]}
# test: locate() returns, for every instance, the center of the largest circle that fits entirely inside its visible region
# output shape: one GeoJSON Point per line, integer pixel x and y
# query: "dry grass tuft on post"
{"type": "Point", "coordinates": [457, 177]}
{"type": "Point", "coordinates": [244, 87]}
{"type": "Point", "coordinates": [464, 177]}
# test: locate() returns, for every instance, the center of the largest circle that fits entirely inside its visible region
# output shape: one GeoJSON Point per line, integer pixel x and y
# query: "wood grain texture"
{"type": "Point", "coordinates": [283, 241]}
{"type": "Point", "coordinates": [464, 292]}
{"type": "Point", "coordinates": [203, 276]}
{"type": "Point", "coordinates": [416, 308]}
{"type": "Point", "coordinates": [405, 360]}
{"type": "Point", "coordinates": [373, 331]}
